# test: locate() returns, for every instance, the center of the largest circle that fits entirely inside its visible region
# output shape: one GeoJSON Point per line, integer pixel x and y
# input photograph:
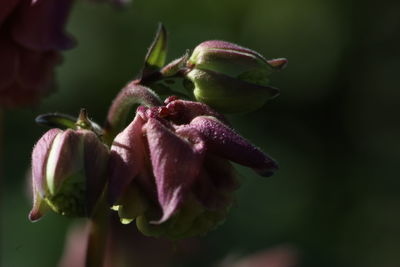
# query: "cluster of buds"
{"type": "Point", "coordinates": [169, 169]}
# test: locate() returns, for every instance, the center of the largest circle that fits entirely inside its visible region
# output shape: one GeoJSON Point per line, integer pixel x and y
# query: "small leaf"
{"type": "Point", "coordinates": [57, 120]}
{"type": "Point", "coordinates": [156, 56]}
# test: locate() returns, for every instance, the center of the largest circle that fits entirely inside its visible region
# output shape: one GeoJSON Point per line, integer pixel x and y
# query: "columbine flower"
{"type": "Point", "coordinates": [170, 168]}
{"type": "Point", "coordinates": [231, 78]}
{"type": "Point", "coordinates": [31, 37]}
{"type": "Point", "coordinates": [68, 172]}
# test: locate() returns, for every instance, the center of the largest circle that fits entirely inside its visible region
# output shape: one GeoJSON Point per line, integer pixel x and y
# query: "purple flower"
{"type": "Point", "coordinates": [31, 38]}
{"type": "Point", "coordinates": [68, 172]}
{"type": "Point", "coordinates": [170, 168]}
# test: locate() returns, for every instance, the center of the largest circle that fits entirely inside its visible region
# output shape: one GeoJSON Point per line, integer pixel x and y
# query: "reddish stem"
{"type": "Point", "coordinates": [130, 95]}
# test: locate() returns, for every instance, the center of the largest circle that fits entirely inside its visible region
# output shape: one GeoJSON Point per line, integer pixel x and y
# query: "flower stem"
{"type": "Point", "coordinates": [98, 232]}
{"type": "Point", "coordinates": [130, 95]}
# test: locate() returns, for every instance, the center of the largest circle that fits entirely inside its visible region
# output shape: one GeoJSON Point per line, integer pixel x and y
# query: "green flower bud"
{"type": "Point", "coordinates": [231, 78]}
{"type": "Point", "coordinates": [68, 172]}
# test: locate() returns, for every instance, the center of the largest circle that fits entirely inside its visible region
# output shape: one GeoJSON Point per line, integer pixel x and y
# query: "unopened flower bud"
{"type": "Point", "coordinates": [68, 172]}
{"type": "Point", "coordinates": [231, 78]}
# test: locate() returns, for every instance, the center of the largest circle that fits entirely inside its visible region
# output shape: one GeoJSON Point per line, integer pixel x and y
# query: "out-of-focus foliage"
{"type": "Point", "coordinates": [334, 129]}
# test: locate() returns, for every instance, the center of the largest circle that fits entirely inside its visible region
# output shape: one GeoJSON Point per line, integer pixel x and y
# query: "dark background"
{"type": "Point", "coordinates": [335, 129]}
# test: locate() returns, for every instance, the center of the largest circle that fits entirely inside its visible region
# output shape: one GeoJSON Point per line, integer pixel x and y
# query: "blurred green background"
{"type": "Point", "coordinates": [335, 129]}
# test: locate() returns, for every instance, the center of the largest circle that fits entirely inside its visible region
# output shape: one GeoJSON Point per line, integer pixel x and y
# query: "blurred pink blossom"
{"type": "Point", "coordinates": [125, 247]}
{"type": "Point", "coordinates": [281, 256]}
{"type": "Point", "coordinates": [31, 38]}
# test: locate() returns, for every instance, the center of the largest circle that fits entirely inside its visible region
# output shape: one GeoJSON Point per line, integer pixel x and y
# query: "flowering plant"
{"type": "Point", "coordinates": [170, 168]}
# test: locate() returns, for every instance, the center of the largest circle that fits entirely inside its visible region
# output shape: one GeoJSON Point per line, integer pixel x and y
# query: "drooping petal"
{"type": "Point", "coordinates": [95, 160]}
{"type": "Point", "coordinates": [40, 26]}
{"type": "Point", "coordinates": [223, 141]}
{"type": "Point", "coordinates": [39, 206]}
{"type": "Point", "coordinates": [176, 164]}
{"type": "Point", "coordinates": [39, 159]}
{"type": "Point", "coordinates": [126, 158]}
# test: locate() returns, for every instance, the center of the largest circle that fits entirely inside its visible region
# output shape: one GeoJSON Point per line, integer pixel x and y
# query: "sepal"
{"type": "Point", "coordinates": [57, 120]}
{"type": "Point", "coordinates": [157, 53]}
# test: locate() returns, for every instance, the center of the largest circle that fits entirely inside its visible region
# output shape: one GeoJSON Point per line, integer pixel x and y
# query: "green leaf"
{"type": "Point", "coordinates": [157, 54]}
{"type": "Point", "coordinates": [56, 120]}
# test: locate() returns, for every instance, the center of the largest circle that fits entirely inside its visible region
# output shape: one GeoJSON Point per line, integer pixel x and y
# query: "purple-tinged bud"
{"type": "Point", "coordinates": [68, 172]}
{"type": "Point", "coordinates": [231, 78]}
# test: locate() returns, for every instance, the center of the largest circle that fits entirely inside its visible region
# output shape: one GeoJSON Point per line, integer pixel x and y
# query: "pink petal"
{"type": "Point", "coordinates": [39, 206]}
{"type": "Point", "coordinates": [126, 158]}
{"type": "Point", "coordinates": [39, 160]}
{"type": "Point", "coordinates": [96, 159]}
{"type": "Point", "coordinates": [40, 26]}
{"type": "Point", "coordinates": [223, 141]}
{"type": "Point", "coordinates": [176, 164]}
